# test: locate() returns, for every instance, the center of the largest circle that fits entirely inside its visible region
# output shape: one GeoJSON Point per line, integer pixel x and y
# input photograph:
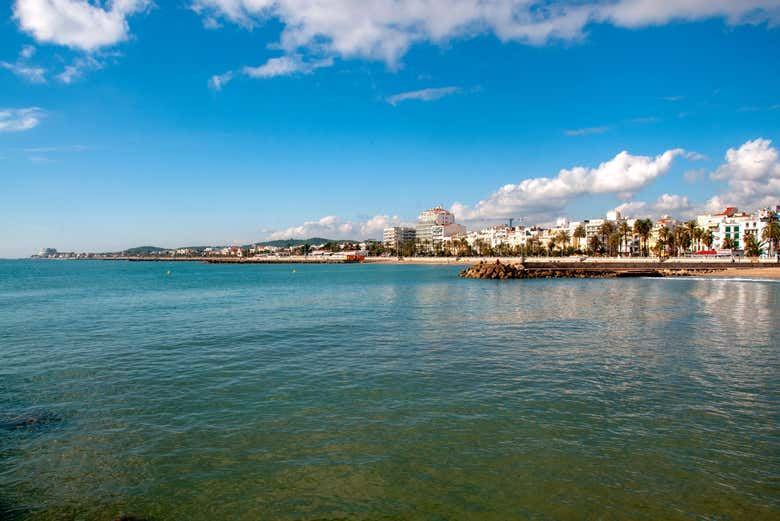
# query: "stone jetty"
{"type": "Point", "coordinates": [502, 271]}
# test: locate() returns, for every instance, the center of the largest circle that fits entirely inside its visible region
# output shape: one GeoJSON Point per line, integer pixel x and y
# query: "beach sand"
{"type": "Point", "coordinates": [747, 273]}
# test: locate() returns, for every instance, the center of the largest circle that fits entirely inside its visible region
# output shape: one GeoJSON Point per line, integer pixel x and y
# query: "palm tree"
{"type": "Point", "coordinates": [643, 228]}
{"type": "Point", "coordinates": [682, 239]}
{"type": "Point", "coordinates": [613, 242]}
{"type": "Point", "coordinates": [594, 244]}
{"type": "Point", "coordinates": [563, 238]}
{"type": "Point", "coordinates": [728, 244]}
{"type": "Point", "coordinates": [624, 229]}
{"type": "Point", "coordinates": [707, 238]}
{"type": "Point", "coordinates": [605, 230]}
{"type": "Point", "coordinates": [579, 234]}
{"type": "Point", "coordinates": [665, 239]}
{"type": "Point", "coordinates": [698, 234]}
{"type": "Point", "coordinates": [752, 246]}
{"type": "Point", "coordinates": [771, 233]}
{"type": "Point", "coordinates": [692, 229]}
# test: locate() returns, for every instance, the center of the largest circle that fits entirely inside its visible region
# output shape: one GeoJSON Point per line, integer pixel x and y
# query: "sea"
{"type": "Point", "coordinates": [188, 391]}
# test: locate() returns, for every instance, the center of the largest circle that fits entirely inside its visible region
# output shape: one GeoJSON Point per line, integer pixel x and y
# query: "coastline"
{"type": "Point", "coordinates": [678, 267]}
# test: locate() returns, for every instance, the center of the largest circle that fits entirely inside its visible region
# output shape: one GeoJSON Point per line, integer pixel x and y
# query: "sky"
{"type": "Point", "coordinates": [210, 122]}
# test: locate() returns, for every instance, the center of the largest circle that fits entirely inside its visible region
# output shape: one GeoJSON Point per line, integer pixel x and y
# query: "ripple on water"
{"type": "Point", "coordinates": [367, 392]}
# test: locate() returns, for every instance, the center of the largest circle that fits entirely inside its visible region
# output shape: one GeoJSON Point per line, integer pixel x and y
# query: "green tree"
{"type": "Point", "coordinates": [682, 239]}
{"type": "Point", "coordinates": [692, 230]}
{"type": "Point", "coordinates": [594, 244]}
{"type": "Point", "coordinates": [624, 229]}
{"type": "Point", "coordinates": [605, 230]}
{"type": "Point", "coordinates": [643, 228]}
{"type": "Point", "coordinates": [728, 244]}
{"type": "Point", "coordinates": [707, 238]}
{"type": "Point", "coordinates": [771, 233]}
{"type": "Point", "coordinates": [613, 243]}
{"type": "Point", "coordinates": [562, 238]}
{"type": "Point", "coordinates": [579, 234]}
{"type": "Point", "coordinates": [752, 246]}
{"type": "Point", "coordinates": [664, 241]}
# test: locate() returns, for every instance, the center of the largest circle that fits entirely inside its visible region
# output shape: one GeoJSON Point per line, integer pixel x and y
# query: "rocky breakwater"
{"type": "Point", "coordinates": [501, 271]}
{"type": "Point", "coordinates": [496, 270]}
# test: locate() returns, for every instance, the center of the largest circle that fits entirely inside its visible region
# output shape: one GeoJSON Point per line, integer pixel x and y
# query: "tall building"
{"type": "Point", "coordinates": [435, 224]}
{"type": "Point", "coordinates": [395, 236]}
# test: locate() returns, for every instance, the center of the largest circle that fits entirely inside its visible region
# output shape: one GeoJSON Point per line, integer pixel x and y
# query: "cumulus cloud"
{"type": "Point", "coordinates": [665, 204]}
{"type": "Point", "coordinates": [78, 24]}
{"type": "Point", "coordinates": [752, 175]}
{"type": "Point", "coordinates": [333, 227]}
{"type": "Point", "coordinates": [432, 94]}
{"type": "Point", "coordinates": [286, 66]}
{"type": "Point", "coordinates": [586, 131]}
{"type": "Point", "coordinates": [672, 203]}
{"type": "Point", "coordinates": [16, 120]}
{"type": "Point", "coordinates": [384, 30]}
{"type": "Point", "coordinates": [632, 208]}
{"type": "Point", "coordinates": [542, 197]}
{"type": "Point", "coordinates": [23, 68]}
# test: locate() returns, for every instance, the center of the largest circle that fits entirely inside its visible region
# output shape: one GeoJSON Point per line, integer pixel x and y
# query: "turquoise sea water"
{"type": "Point", "coordinates": [383, 392]}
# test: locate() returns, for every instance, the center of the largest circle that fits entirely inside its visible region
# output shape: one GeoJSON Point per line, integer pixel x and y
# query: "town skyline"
{"type": "Point", "coordinates": [229, 122]}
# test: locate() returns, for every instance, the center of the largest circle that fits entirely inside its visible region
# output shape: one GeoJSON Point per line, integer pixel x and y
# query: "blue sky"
{"type": "Point", "coordinates": [217, 121]}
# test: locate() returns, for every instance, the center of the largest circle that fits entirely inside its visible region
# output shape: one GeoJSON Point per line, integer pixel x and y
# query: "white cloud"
{"type": "Point", "coordinates": [218, 81]}
{"type": "Point", "coordinates": [16, 120]}
{"type": "Point", "coordinates": [752, 174]}
{"type": "Point", "coordinates": [77, 24]}
{"type": "Point", "coordinates": [542, 197]}
{"type": "Point", "coordinates": [632, 208]}
{"type": "Point", "coordinates": [384, 30]}
{"type": "Point", "coordinates": [672, 203]}
{"type": "Point", "coordinates": [31, 74]}
{"type": "Point", "coordinates": [423, 95]}
{"type": "Point", "coordinates": [78, 68]}
{"type": "Point", "coordinates": [586, 131]}
{"type": "Point", "coordinates": [333, 227]}
{"type": "Point", "coordinates": [286, 66]}
{"type": "Point", "coordinates": [23, 68]}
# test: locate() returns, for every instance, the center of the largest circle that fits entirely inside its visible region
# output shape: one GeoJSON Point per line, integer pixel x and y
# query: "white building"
{"type": "Point", "coordinates": [435, 224]}
{"type": "Point", "coordinates": [731, 224]}
{"type": "Point", "coordinates": [395, 236]}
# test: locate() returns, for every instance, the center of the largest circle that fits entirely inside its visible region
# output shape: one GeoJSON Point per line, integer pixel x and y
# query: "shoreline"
{"type": "Point", "coordinates": [679, 267]}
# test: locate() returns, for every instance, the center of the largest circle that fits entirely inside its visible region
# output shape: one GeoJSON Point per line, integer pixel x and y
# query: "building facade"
{"type": "Point", "coordinates": [395, 236]}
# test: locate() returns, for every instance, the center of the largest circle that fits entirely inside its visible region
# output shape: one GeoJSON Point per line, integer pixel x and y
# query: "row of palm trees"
{"type": "Point", "coordinates": [686, 238]}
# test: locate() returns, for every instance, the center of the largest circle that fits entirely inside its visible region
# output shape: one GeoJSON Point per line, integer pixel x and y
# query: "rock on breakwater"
{"type": "Point", "coordinates": [497, 270]}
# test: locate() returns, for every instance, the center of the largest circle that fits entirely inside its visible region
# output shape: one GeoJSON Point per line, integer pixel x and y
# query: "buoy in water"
{"type": "Point", "coordinates": [168, 272]}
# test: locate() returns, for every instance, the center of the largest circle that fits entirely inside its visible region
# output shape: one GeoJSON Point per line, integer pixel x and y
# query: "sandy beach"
{"type": "Point", "coordinates": [747, 273]}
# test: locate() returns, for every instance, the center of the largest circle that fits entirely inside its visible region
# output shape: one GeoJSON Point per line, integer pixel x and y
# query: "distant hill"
{"type": "Point", "coordinates": [143, 250]}
{"type": "Point", "coordinates": [283, 243]}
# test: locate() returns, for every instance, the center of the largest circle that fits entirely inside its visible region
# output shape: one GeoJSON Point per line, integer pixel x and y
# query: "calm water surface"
{"type": "Point", "coordinates": [383, 392]}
